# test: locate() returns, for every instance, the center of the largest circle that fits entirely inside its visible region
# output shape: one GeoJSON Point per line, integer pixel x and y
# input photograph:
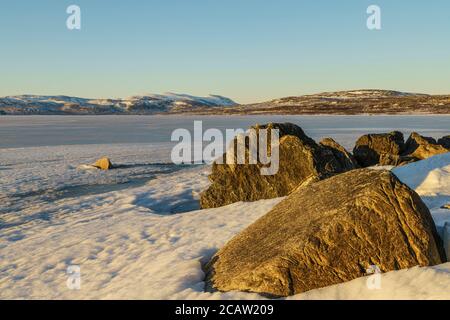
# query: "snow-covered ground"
{"type": "Point", "coordinates": [136, 232]}
{"type": "Point", "coordinates": [431, 180]}
{"type": "Point", "coordinates": [127, 241]}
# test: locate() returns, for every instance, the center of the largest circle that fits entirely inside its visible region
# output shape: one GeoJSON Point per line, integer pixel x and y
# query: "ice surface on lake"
{"type": "Point", "coordinates": [32, 179]}
{"type": "Point", "coordinates": [26, 131]}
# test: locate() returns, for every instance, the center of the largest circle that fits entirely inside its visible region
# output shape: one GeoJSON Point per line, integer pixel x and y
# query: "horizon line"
{"type": "Point", "coordinates": [167, 93]}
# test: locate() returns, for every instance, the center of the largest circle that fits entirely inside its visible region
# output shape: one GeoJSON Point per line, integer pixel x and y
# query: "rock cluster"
{"type": "Point", "coordinates": [301, 161]}
{"type": "Point", "coordinates": [421, 147]}
{"type": "Point", "coordinates": [334, 224]}
{"type": "Point", "coordinates": [391, 149]}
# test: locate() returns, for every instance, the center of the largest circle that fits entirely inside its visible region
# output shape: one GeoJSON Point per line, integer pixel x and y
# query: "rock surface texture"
{"type": "Point", "coordinates": [345, 158]}
{"type": "Point", "coordinates": [301, 161]}
{"type": "Point", "coordinates": [327, 233]}
{"type": "Point", "coordinates": [369, 148]}
{"type": "Point", "coordinates": [421, 147]}
{"type": "Point", "coordinates": [103, 164]}
{"type": "Point", "coordinates": [387, 159]}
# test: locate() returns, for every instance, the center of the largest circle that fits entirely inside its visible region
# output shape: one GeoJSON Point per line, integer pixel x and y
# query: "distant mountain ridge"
{"type": "Point", "coordinates": [145, 104]}
{"type": "Point", "coordinates": [352, 102]}
{"type": "Point", "coordinates": [365, 101]}
{"type": "Point", "coordinates": [365, 93]}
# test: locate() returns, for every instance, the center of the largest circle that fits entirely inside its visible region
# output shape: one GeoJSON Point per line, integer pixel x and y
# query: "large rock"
{"type": "Point", "coordinates": [445, 142]}
{"type": "Point", "coordinates": [327, 233]}
{"type": "Point", "coordinates": [369, 148]}
{"type": "Point", "coordinates": [423, 147]}
{"type": "Point", "coordinates": [301, 160]}
{"type": "Point", "coordinates": [346, 160]}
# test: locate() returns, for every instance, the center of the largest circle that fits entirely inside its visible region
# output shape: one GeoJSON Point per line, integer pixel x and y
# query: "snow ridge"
{"type": "Point", "coordinates": [145, 104]}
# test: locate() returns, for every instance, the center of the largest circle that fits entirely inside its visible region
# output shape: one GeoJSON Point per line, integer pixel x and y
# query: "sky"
{"type": "Point", "coordinates": [248, 50]}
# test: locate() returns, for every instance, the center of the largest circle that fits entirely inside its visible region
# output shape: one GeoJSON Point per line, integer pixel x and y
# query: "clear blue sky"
{"type": "Point", "coordinates": [249, 50]}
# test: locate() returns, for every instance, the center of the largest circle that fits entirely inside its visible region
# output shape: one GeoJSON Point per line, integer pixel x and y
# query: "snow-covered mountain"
{"type": "Point", "coordinates": [363, 101]}
{"type": "Point", "coordinates": [145, 104]}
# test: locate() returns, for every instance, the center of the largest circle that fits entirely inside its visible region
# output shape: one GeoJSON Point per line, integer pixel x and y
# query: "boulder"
{"type": "Point", "coordinates": [327, 233]}
{"type": "Point", "coordinates": [103, 164]}
{"type": "Point", "coordinates": [423, 147]}
{"type": "Point", "coordinates": [346, 160]}
{"type": "Point", "coordinates": [301, 161]}
{"type": "Point", "coordinates": [370, 147]}
{"type": "Point", "coordinates": [445, 142]}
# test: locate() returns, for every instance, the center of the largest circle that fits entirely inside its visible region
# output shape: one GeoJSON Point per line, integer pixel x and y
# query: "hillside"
{"type": "Point", "coordinates": [347, 102]}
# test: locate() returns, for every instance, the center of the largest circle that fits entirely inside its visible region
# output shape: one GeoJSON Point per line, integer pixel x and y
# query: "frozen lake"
{"type": "Point", "coordinates": [33, 131]}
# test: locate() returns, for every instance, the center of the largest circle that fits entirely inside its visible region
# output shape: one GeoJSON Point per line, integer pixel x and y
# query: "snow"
{"type": "Point", "coordinates": [60, 103]}
{"type": "Point", "coordinates": [431, 180]}
{"type": "Point", "coordinates": [209, 100]}
{"type": "Point", "coordinates": [136, 232]}
{"type": "Point", "coordinates": [412, 284]}
{"type": "Point", "coordinates": [126, 242]}
{"type": "Point", "coordinates": [29, 99]}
